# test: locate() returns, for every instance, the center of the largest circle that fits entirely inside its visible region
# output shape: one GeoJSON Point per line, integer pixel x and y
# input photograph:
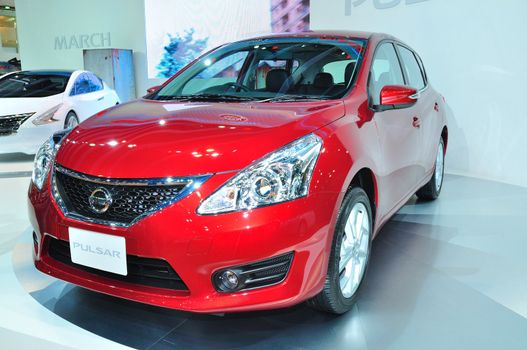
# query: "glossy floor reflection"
{"type": "Point", "coordinates": [448, 274]}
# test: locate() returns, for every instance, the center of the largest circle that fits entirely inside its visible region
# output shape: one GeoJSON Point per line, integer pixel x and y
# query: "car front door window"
{"type": "Point", "coordinates": [94, 82]}
{"type": "Point", "coordinates": [81, 86]}
{"type": "Point", "coordinates": [385, 70]}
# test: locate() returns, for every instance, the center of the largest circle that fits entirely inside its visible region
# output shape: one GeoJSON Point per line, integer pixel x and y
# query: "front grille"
{"type": "Point", "coordinates": [131, 199]}
{"type": "Point", "coordinates": [145, 271]}
{"type": "Point", "coordinates": [9, 124]}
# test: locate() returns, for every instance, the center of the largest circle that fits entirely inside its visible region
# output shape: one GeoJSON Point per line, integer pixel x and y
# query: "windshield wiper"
{"type": "Point", "coordinates": [291, 98]}
{"type": "Point", "coordinates": [207, 97]}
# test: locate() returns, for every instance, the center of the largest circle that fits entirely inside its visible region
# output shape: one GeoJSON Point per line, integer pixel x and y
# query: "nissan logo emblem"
{"type": "Point", "coordinates": [100, 200]}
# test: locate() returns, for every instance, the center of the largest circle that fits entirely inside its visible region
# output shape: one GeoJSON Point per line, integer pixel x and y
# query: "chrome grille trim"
{"type": "Point", "coordinates": [9, 124]}
{"type": "Point", "coordinates": [191, 184]}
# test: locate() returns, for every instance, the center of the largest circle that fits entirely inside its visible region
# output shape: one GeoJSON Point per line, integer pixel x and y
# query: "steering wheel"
{"type": "Point", "coordinates": [237, 86]}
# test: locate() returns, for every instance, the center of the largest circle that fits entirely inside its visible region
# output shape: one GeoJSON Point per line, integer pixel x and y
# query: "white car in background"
{"type": "Point", "coordinates": [35, 104]}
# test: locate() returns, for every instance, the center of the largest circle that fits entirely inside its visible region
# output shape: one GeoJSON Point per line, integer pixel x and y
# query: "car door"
{"type": "Point", "coordinates": [102, 101]}
{"type": "Point", "coordinates": [398, 134]}
{"type": "Point", "coordinates": [425, 109]}
{"type": "Point", "coordinates": [84, 97]}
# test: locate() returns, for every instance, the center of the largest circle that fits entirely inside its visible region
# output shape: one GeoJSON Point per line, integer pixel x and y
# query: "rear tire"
{"type": "Point", "coordinates": [432, 189]}
{"type": "Point", "coordinates": [350, 253]}
{"type": "Point", "coordinates": [71, 120]}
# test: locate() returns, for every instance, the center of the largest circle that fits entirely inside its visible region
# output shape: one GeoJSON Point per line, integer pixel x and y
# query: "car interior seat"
{"type": "Point", "coordinates": [322, 84]}
{"type": "Point", "coordinates": [277, 80]}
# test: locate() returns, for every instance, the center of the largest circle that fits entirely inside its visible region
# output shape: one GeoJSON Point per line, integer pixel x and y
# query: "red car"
{"type": "Point", "coordinates": [253, 179]}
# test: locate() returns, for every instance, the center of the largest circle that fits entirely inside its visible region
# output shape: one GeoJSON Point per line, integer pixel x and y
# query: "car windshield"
{"type": "Point", "coordinates": [268, 70]}
{"type": "Point", "coordinates": [32, 85]}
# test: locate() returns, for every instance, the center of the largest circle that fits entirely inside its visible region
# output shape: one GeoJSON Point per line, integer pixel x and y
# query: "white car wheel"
{"type": "Point", "coordinates": [71, 121]}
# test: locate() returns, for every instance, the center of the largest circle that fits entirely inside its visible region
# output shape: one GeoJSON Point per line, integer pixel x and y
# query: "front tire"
{"type": "Point", "coordinates": [349, 256]}
{"type": "Point", "coordinates": [71, 120]}
{"type": "Point", "coordinates": [432, 189]}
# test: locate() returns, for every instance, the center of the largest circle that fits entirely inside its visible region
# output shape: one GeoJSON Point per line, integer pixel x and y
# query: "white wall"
{"type": "Point", "coordinates": [476, 55]}
{"type": "Point", "coordinates": [40, 22]}
{"type": "Point", "coordinates": [7, 53]}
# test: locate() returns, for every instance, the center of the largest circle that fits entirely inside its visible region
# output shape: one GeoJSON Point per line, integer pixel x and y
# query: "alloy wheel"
{"type": "Point", "coordinates": [440, 161]}
{"type": "Point", "coordinates": [72, 122]}
{"type": "Point", "coordinates": [354, 250]}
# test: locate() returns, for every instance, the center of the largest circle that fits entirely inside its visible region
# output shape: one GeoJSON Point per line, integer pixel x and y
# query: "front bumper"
{"type": "Point", "coordinates": [27, 139]}
{"type": "Point", "coordinates": [198, 246]}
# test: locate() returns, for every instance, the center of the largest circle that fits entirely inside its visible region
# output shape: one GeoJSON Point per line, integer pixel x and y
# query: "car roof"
{"type": "Point", "coordinates": [325, 34]}
{"type": "Point", "coordinates": [64, 73]}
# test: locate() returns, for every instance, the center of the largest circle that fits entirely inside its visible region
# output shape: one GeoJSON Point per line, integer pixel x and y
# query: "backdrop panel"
{"type": "Point", "coordinates": [475, 53]}
{"type": "Point", "coordinates": [179, 30]}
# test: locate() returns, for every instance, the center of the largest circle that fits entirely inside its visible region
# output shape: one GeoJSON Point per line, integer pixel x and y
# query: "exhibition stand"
{"type": "Point", "coordinates": [427, 287]}
{"type": "Point", "coordinates": [444, 273]}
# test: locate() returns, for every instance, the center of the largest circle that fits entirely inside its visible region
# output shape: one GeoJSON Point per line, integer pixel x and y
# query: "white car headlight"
{"type": "Point", "coordinates": [280, 176]}
{"type": "Point", "coordinates": [45, 157]}
{"type": "Point", "coordinates": [47, 117]}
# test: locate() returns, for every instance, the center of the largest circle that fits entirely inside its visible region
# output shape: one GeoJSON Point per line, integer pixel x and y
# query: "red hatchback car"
{"type": "Point", "coordinates": [254, 179]}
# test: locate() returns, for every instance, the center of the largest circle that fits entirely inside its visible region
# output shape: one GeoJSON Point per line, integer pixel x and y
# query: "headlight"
{"type": "Point", "coordinates": [45, 157]}
{"type": "Point", "coordinates": [47, 117]}
{"type": "Point", "coordinates": [280, 176]}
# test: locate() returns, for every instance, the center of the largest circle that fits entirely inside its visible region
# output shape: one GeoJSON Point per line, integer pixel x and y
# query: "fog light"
{"type": "Point", "coordinates": [229, 280]}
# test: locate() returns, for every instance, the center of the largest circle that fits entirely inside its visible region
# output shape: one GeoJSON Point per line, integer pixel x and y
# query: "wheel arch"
{"type": "Point", "coordinates": [444, 136]}
{"type": "Point", "coordinates": [70, 110]}
{"type": "Point", "coordinates": [365, 179]}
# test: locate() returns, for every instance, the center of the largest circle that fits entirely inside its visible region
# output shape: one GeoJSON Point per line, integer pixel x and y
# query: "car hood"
{"type": "Point", "coordinates": [16, 105]}
{"type": "Point", "coordinates": [148, 139]}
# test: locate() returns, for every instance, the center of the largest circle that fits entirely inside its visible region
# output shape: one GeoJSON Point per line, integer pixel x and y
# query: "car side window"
{"type": "Point", "coordinates": [385, 70]}
{"type": "Point", "coordinates": [412, 68]}
{"type": "Point", "coordinates": [95, 82]}
{"type": "Point", "coordinates": [81, 85]}
{"type": "Point", "coordinates": [423, 70]}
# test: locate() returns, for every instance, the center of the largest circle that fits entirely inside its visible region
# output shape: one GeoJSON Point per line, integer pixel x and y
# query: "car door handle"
{"type": "Point", "coordinates": [100, 98]}
{"type": "Point", "coordinates": [416, 122]}
{"type": "Point", "coordinates": [436, 107]}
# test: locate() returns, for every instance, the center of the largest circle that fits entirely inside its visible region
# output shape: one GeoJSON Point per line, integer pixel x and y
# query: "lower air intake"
{"type": "Point", "coordinates": [255, 275]}
{"type": "Point", "coordinates": [144, 271]}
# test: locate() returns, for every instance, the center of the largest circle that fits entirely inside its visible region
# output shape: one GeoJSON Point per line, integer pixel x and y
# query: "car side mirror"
{"type": "Point", "coordinates": [396, 96]}
{"type": "Point", "coordinates": [152, 89]}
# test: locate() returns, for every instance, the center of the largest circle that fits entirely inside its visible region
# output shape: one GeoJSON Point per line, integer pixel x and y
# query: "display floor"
{"type": "Point", "coordinates": [449, 274]}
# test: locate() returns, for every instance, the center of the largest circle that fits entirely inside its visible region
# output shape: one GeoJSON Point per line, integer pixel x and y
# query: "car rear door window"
{"type": "Point", "coordinates": [412, 69]}
{"type": "Point", "coordinates": [385, 70]}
